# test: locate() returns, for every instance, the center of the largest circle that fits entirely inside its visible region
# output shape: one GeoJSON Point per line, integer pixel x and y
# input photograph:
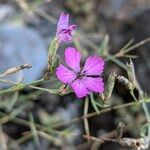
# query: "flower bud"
{"type": "Point", "coordinates": [131, 73]}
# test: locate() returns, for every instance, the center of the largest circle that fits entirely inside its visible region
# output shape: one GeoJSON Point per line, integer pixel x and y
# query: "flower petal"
{"type": "Point", "coordinates": [66, 34]}
{"type": "Point", "coordinates": [94, 65]}
{"type": "Point", "coordinates": [62, 23]}
{"type": "Point", "coordinates": [72, 27]}
{"type": "Point", "coordinates": [93, 84]}
{"type": "Point", "coordinates": [73, 57]}
{"type": "Point", "coordinates": [79, 88]}
{"type": "Point", "coordinates": [65, 75]}
{"type": "Point", "coordinates": [64, 37]}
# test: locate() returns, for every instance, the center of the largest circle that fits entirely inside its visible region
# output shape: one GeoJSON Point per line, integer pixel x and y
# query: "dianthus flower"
{"type": "Point", "coordinates": [64, 30]}
{"type": "Point", "coordinates": [82, 80]}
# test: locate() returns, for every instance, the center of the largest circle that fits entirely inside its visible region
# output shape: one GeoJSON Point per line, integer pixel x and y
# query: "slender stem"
{"type": "Point", "coordinates": [141, 96]}
{"type": "Point", "coordinates": [53, 131]}
{"type": "Point", "coordinates": [20, 86]}
{"type": "Point", "coordinates": [116, 61]}
{"type": "Point", "coordinates": [21, 140]}
{"type": "Point", "coordinates": [133, 95]}
{"type": "Point", "coordinates": [93, 103]}
{"type": "Point", "coordinates": [33, 129]}
{"type": "Point", "coordinates": [53, 91]}
{"type": "Point", "coordinates": [146, 114]}
{"type": "Point", "coordinates": [137, 45]}
{"type": "Point", "coordinates": [50, 138]}
{"type": "Point", "coordinates": [86, 106]}
{"type": "Point", "coordinates": [8, 118]}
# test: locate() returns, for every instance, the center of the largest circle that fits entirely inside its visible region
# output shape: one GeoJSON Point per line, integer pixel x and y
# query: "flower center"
{"type": "Point", "coordinates": [80, 75]}
{"type": "Point", "coordinates": [83, 74]}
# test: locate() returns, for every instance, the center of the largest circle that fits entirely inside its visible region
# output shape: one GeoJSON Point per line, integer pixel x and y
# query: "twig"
{"type": "Point", "coordinates": [136, 144]}
{"type": "Point", "coordinates": [123, 51]}
{"type": "Point", "coordinates": [137, 45]}
{"type": "Point", "coordinates": [146, 111]}
{"type": "Point", "coordinates": [26, 123]}
{"type": "Point", "coordinates": [15, 69]}
{"type": "Point", "coordinates": [33, 129]}
{"type": "Point", "coordinates": [18, 86]}
{"type": "Point", "coordinates": [24, 138]}
{"type": "Point", "coordinates": [101, 112]}
{"type": "Point", "coordinates": [50, 138]}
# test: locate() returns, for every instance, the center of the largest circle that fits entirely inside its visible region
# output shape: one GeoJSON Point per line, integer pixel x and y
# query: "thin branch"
{"type": "Point", "coordinates": [136, 103]}
{"type": "Point", "coordinates": [15, 69]}
{"type": "Point", "coordinates": [137, 45]}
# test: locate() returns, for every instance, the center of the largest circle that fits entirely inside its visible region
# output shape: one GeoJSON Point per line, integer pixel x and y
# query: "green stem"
{"type": "Point", "coordinates": [93, 103]}
{"type": "Point", "coordinates": [137, 45]}
{"type": "Point", "coordinates": [86, 107]}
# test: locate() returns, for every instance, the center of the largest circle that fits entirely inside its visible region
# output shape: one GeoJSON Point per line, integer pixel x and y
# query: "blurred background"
{"type": "Point", "coordinates": [26, 29]}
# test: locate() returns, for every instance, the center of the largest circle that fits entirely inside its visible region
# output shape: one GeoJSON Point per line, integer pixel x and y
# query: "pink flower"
{"type": "Point", "coordinates": [64, 30]}
{"type": "Point", "coordinates": [85, 80]}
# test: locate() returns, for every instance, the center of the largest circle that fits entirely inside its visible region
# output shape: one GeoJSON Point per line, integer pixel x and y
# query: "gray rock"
{"type": "Point", "coordinates": [20, 45]}
{"type": "Point", "coordinates": [5, 12]}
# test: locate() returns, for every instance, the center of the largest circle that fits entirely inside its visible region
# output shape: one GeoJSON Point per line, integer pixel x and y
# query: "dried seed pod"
{"type": "Point", "coordinates": [15, 69]}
